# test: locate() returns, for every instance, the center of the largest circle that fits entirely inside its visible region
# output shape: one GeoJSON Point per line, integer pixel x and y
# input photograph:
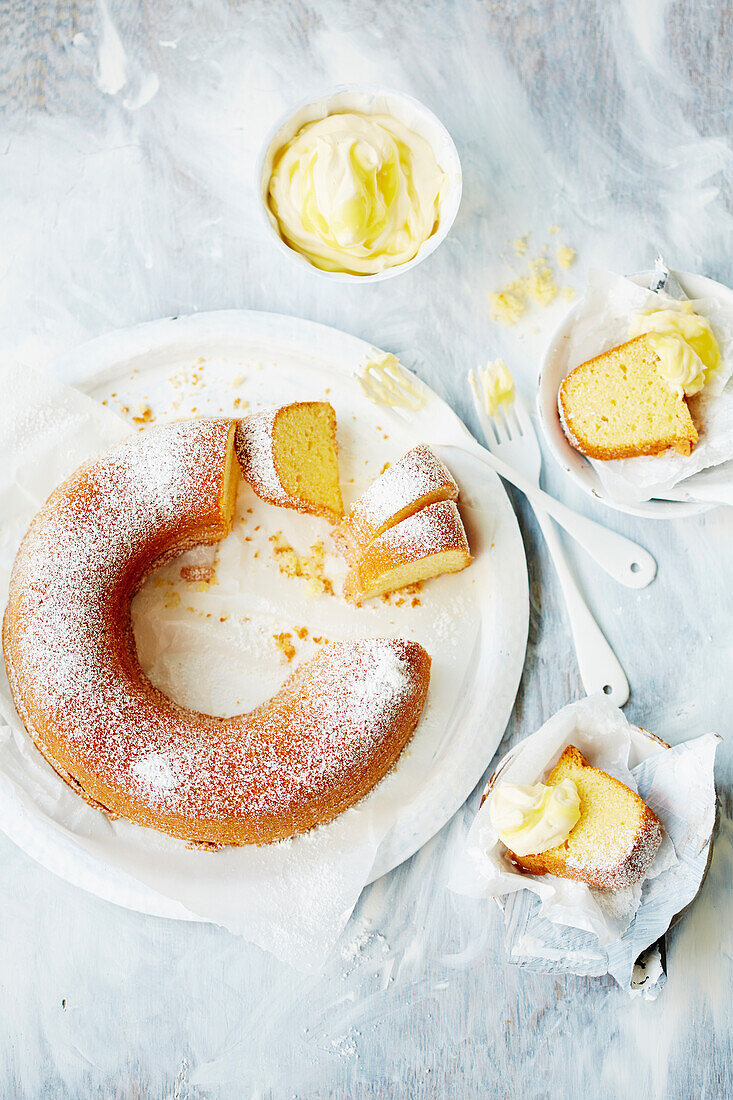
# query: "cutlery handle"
{"type": "Point", "coordinates": [624, 560]}
{"type": "Point", "coordinates": [599, 666]}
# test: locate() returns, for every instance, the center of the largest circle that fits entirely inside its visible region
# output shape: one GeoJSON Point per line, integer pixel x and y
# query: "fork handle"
{"type": "Point", "coordinates": [622, 559]}
{"type": "Point", "coordinates": [599, 666]}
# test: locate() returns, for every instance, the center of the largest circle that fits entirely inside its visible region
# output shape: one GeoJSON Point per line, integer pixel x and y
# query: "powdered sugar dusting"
{"type": "Point", "coordinates": [254, 450]}
{"type": "Point", "coordinates": [430, 531]}
{"type": "Point", "coordinates": [626, 856]}
{"type": "Point", "coordinates": [416, 475]}
{"type": "Point", "coordinates": [341, 718]}
{"type": "Point", "coordinates": [153, 773]}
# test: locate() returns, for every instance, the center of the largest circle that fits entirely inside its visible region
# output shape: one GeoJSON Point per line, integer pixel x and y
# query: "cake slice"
{"type": "Point", "coordinates": [417, 480]}
{"type": "Point", "coordinates": [616, 838]}
{"type": "Point", "coordinates": [431, 542]}
{"type": "Point", "coordinates": [289, 457]}
{"type": "Point", "coordinates": [618, 405]}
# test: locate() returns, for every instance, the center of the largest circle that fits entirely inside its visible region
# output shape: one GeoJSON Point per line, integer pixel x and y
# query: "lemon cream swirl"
{"type": "Point", "coordinates": [356, 193]}
{"type": "Point", "coordinates": [533, 819]}
{"type": "Point", "coordinates": [685, 345]}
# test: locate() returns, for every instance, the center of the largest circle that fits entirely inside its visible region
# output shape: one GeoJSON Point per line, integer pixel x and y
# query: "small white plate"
{"type": "Point", "coordinates": [286, 358]}
{"type": "Point", "coordinates": [552, 372]}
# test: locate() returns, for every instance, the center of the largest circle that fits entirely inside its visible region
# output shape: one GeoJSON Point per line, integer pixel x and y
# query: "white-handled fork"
{"type": "Point", "coordinates": [401, 394]}
{"type": "Point", "coordinates": [511, 438]}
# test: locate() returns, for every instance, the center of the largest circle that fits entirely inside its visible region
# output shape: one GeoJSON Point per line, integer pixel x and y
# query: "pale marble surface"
{"type": "Point", "coordinates": [127, 142]}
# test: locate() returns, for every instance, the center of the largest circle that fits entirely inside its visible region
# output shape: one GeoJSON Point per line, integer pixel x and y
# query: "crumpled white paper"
{"type": "Point", "coordinates": [292, 898]}
{"type": "Point", "coordinates": [560, 926]}
{"type": "Point", "coordinates": [609, 302]}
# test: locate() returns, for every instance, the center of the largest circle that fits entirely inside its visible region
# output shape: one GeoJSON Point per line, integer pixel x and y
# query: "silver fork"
{"type": "Point", "coordinates": [400, 394]}
{"type": "Point", "coordinates": [510, 436]}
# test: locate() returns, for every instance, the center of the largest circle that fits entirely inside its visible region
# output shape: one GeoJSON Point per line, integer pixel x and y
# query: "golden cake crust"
{"type": "Point", "coordinates": [318, 746]}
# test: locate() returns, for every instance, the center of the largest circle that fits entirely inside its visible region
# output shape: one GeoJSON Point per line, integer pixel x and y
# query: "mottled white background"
{"type": "Point", "coordinates": [127, 142]}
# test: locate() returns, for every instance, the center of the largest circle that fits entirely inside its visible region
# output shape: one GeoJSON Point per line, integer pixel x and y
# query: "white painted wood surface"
{"type": "Point", "coordinates": [127, 142]}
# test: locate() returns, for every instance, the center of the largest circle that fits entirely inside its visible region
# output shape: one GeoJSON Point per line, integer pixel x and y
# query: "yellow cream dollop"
{"type": "Point", "coordinates": [685, 344]}
{"type": "Point", "coordinates": [356, 193]}
{"type": "Point", "coordinates": [532, 819]}
{"type": "Point", "coordinates": [493, 386]}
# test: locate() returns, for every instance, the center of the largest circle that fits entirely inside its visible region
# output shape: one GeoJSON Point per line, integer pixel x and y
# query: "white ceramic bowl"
{"type": "Point", "coordinates": [367, 99]}
{"type": "Point", "coordinates": [552, 371]}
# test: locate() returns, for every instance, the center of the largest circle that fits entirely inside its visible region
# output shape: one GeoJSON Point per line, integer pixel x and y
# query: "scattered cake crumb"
{"type": "Point", "coordinates": [506, 306]}
{"type": "Point", "coordinates": [142, 414]}
{"type": "Point", "coordinates": [310, 567]}
{"type": "Point", "coordinates": [198, 573]}
{"type": "Point", "coordinates": [538, 285]}
{"type": "Point", "coordinates": [284, 643]}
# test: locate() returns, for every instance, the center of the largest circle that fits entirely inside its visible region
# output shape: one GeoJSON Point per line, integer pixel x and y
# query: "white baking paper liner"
{"type": "Point", "coordinates": [609, 303]}
{"type": "Point", "coordinates": [556, 925]}
{"type": "Point", "coordinates": [292, 898]}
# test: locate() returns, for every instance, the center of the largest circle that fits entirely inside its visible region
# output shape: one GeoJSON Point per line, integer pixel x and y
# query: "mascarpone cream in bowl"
{"type": "Point", "coordinates": [362, 184]}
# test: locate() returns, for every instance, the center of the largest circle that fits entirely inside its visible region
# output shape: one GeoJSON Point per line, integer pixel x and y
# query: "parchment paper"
{"type": "Point", "coordinates": [558, 925]}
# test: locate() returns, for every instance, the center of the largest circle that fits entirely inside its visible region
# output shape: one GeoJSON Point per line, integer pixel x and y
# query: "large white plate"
{"type": "Point", "coordinates": [286, 358]}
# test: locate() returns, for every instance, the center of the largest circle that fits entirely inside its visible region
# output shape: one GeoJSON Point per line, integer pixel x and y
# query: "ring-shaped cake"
{"type": "Point", "coordinates": [318, 746]}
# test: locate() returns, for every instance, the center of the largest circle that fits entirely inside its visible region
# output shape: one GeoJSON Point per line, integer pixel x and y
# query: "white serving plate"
{"type": "Point", "coordinates": [284, 358]}
{"type": "Point", "coordinates": [552, 372]}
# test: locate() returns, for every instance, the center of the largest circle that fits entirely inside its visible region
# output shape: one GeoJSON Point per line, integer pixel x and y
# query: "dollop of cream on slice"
{"type": "Point", "coordinates": [532, 819]}
{"type": "Point", "coordinates": [685, 344]}
{"type": "Point", "coordinates": [356, 193]}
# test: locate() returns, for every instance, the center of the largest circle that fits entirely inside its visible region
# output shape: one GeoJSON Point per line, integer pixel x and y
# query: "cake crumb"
{"type": "Point", "coordinates": [173, 599]}
{"type": "Point", "coordinates": [521, 244]}
{"type": "Point", "coordinates": [284, 643]}
{"type": "Point", "coordinates": [301, 631]}
{"type": "Point", "coordinates": [197, 573]}
{"type": "Point", "coordinates": [142, 414]}
{"type": "Point", "coordinates": [310, 567]}
{"type": "Point", "coordinates": [506, 306]}
{"type": "Point", "coordinates": [537, 285]}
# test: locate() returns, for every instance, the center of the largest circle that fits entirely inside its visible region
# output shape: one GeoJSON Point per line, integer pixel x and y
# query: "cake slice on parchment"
{"type": "Point", "coordinates": [618, 405]}
{"type": "Point", "coordinates": [616, 838]}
